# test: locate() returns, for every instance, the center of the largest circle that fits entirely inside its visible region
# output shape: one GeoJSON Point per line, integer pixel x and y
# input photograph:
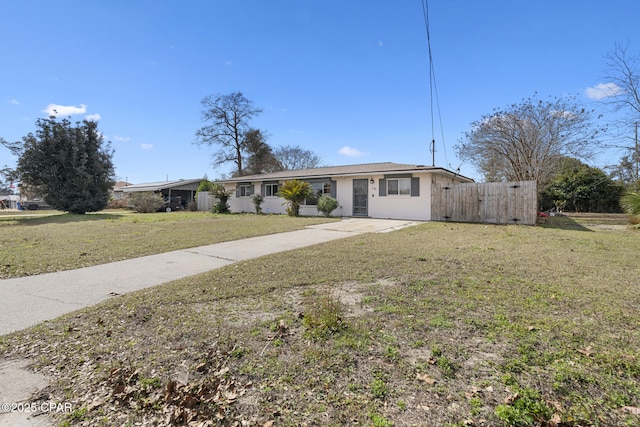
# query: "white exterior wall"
{"type": "Point", "coordinates": [396, 207]}
{"type": "Point", "coordinates": [401, 207]}
{"type": "Point", "coordinates": [344, 194]}
{"type": "Point", "coordinates": [270, 205]}
{"type": "Point", "coordinates": [240, 204]}
{"type": "Point", "coordinates": [273, 205]}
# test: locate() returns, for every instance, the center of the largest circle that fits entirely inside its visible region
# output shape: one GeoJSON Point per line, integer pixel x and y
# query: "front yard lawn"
{"type": "Point", "coordinates": [435, 325]}
{"type": "Point", "coordinates": [42, 244]}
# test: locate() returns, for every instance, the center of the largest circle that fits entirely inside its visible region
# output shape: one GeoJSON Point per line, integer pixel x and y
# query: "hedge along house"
{"type": "Point", "coordinates": [374, 190]}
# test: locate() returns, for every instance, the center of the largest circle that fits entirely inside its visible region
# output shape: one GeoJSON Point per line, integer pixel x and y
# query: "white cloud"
{"type": "Point", "coordinates": [228, 63]}
{"type": "Point", "coordinates": [92, 117]}
{"type": "Point", "coordinates": [563, 114]}
{"type": "Point", "coordinates": [146, 146]}
{"type": "Point", "coordinates": [121, 138]}
{"type": "Point", "coordinates": [603, 90]}
{"type": "Point", "coordinates": [64, 110]}
{"type": "Point", "coordinates": [14, 101]}
{"type": "Point", "coordinates": [350, 152]}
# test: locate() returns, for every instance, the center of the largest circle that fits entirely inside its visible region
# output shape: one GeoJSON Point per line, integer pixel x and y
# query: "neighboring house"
{"type": "Point", "coordinates": [9, 201]}
{"type": "Point", "coordinates": [116, 192]}
{"type": "Point", "coordinates": [184, 189]}
{"type": "Point", "coordinates": [375, 190]}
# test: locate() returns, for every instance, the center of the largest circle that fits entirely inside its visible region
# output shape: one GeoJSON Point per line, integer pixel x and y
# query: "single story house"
{"type": "Point", "coordinates": [185, 189]}
{"type": "Point", "coordinates": [374, 190]}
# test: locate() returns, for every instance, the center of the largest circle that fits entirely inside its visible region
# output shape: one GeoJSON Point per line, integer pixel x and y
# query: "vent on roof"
{"type": "Point", "coordinates": [421, 166]}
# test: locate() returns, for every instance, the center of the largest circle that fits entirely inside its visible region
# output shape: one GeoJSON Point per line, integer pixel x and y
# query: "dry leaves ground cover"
{"type": "Point", "coordinates": [438, 324]}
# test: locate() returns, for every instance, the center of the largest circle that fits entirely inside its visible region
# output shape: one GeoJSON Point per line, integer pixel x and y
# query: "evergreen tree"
{"type": "Point", "coordinates": [260, 158]}
{"type": "Point", "coordinates": [70, 166]}
{"type": "Point", "coordinates": [582, 188]}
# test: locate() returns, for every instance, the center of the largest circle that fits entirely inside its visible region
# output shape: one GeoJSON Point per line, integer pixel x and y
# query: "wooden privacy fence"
{"type": "Point", "coordinates": [491, 202]}
{"type": "Point", "coordinates": [206, 200]}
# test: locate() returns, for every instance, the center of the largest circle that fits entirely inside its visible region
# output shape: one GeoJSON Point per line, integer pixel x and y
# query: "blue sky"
{"type": "Point", "coordinates": [346, 79]}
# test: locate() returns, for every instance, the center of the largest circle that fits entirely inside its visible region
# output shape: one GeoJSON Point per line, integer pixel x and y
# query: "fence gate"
{"type": "Point", "coordinates": [491, 202]}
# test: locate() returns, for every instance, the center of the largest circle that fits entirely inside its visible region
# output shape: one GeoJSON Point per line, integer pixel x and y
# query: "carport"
{"type": "Point", "coordinates": [183, 188]}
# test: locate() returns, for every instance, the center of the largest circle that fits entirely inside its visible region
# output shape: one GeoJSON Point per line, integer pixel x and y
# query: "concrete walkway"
{"type": "Point", "coordinates": [27, 301]}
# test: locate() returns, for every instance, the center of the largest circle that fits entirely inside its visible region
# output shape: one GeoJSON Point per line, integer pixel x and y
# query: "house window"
{"type": "Point", "coordinates": [245, 190]}
{"type": "Point", "coordinates": [271, 190]}
{"type": "Point", "coordinates": [399, 186]}
{"type": "Point", "coordinates": [319, 188]}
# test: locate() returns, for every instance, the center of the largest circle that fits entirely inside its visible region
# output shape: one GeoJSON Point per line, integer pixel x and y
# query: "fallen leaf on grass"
{"type": "Point", "coordinates": [425, 378]}
{"type": "Point", "coordinates": [510, 399]}
{"type": "Point", "coordinates": [631, 409]}
{"type": "Point", "coordinates": [586, 351]}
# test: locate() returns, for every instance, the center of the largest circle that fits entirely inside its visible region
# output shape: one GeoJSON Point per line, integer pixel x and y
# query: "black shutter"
{"type": "Point", "coordinates": [415, 187]}
{"type": "Point", "coordinates": [382, 187]}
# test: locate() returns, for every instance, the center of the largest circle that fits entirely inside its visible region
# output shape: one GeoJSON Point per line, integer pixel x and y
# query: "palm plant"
{"type": "Point", "coordinates": [630, 202]}
{"type": "Point", "coordinates": [295, 192]}
{"type": "Point", "coordinates": [222, 194]}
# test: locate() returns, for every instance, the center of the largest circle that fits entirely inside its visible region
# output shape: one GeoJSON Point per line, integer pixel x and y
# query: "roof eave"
{"type": "Point", "coordinates": [276, 177]}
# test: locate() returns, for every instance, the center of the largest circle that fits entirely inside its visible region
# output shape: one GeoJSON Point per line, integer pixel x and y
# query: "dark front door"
{"type": "Point", "coordinates": [360, 197]}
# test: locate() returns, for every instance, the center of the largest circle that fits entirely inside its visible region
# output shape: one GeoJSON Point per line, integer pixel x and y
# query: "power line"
{"type": "Point", "coordinates": [433, 89]}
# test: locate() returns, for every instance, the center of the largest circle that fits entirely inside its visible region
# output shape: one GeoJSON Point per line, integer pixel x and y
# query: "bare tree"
{"type": "Point", "coordinates": [227, 118]}
{"type": "Point", "coordinates": [623, 82]}
{"type": "Point", "coordinates": [525, 140]}
{"type": "Point", "coordinates": [623, 96]}
{"type": "Point", "coordinates": [295, 157]}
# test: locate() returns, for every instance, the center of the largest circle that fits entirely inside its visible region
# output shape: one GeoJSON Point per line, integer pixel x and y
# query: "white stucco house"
{"type": "Point", "coordinates": [374, 190]}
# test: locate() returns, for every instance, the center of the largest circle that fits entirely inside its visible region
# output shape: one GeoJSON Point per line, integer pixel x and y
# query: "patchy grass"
{"type": "Point", "coordinates": [35, 244]}
{"type": "Point", "coordinates": [587, 221]}
{"type": "Point", "coordinates": [438, 324]}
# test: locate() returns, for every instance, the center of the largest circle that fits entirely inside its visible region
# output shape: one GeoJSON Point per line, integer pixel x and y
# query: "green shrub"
{"type": "Point", "coordinates": [146, 201]}
{"type": "Point", "coordinates": [327, 204]}
{"type": "Point", "coordinates": [257, 200]}
{"type": "Point", "coordinates": [222, 194]}
{"type": "Point", "coordinates": [205, 185]}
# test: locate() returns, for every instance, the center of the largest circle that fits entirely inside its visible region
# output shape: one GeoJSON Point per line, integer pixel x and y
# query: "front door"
{"type": "Point", "coordinates": [360, 197]}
